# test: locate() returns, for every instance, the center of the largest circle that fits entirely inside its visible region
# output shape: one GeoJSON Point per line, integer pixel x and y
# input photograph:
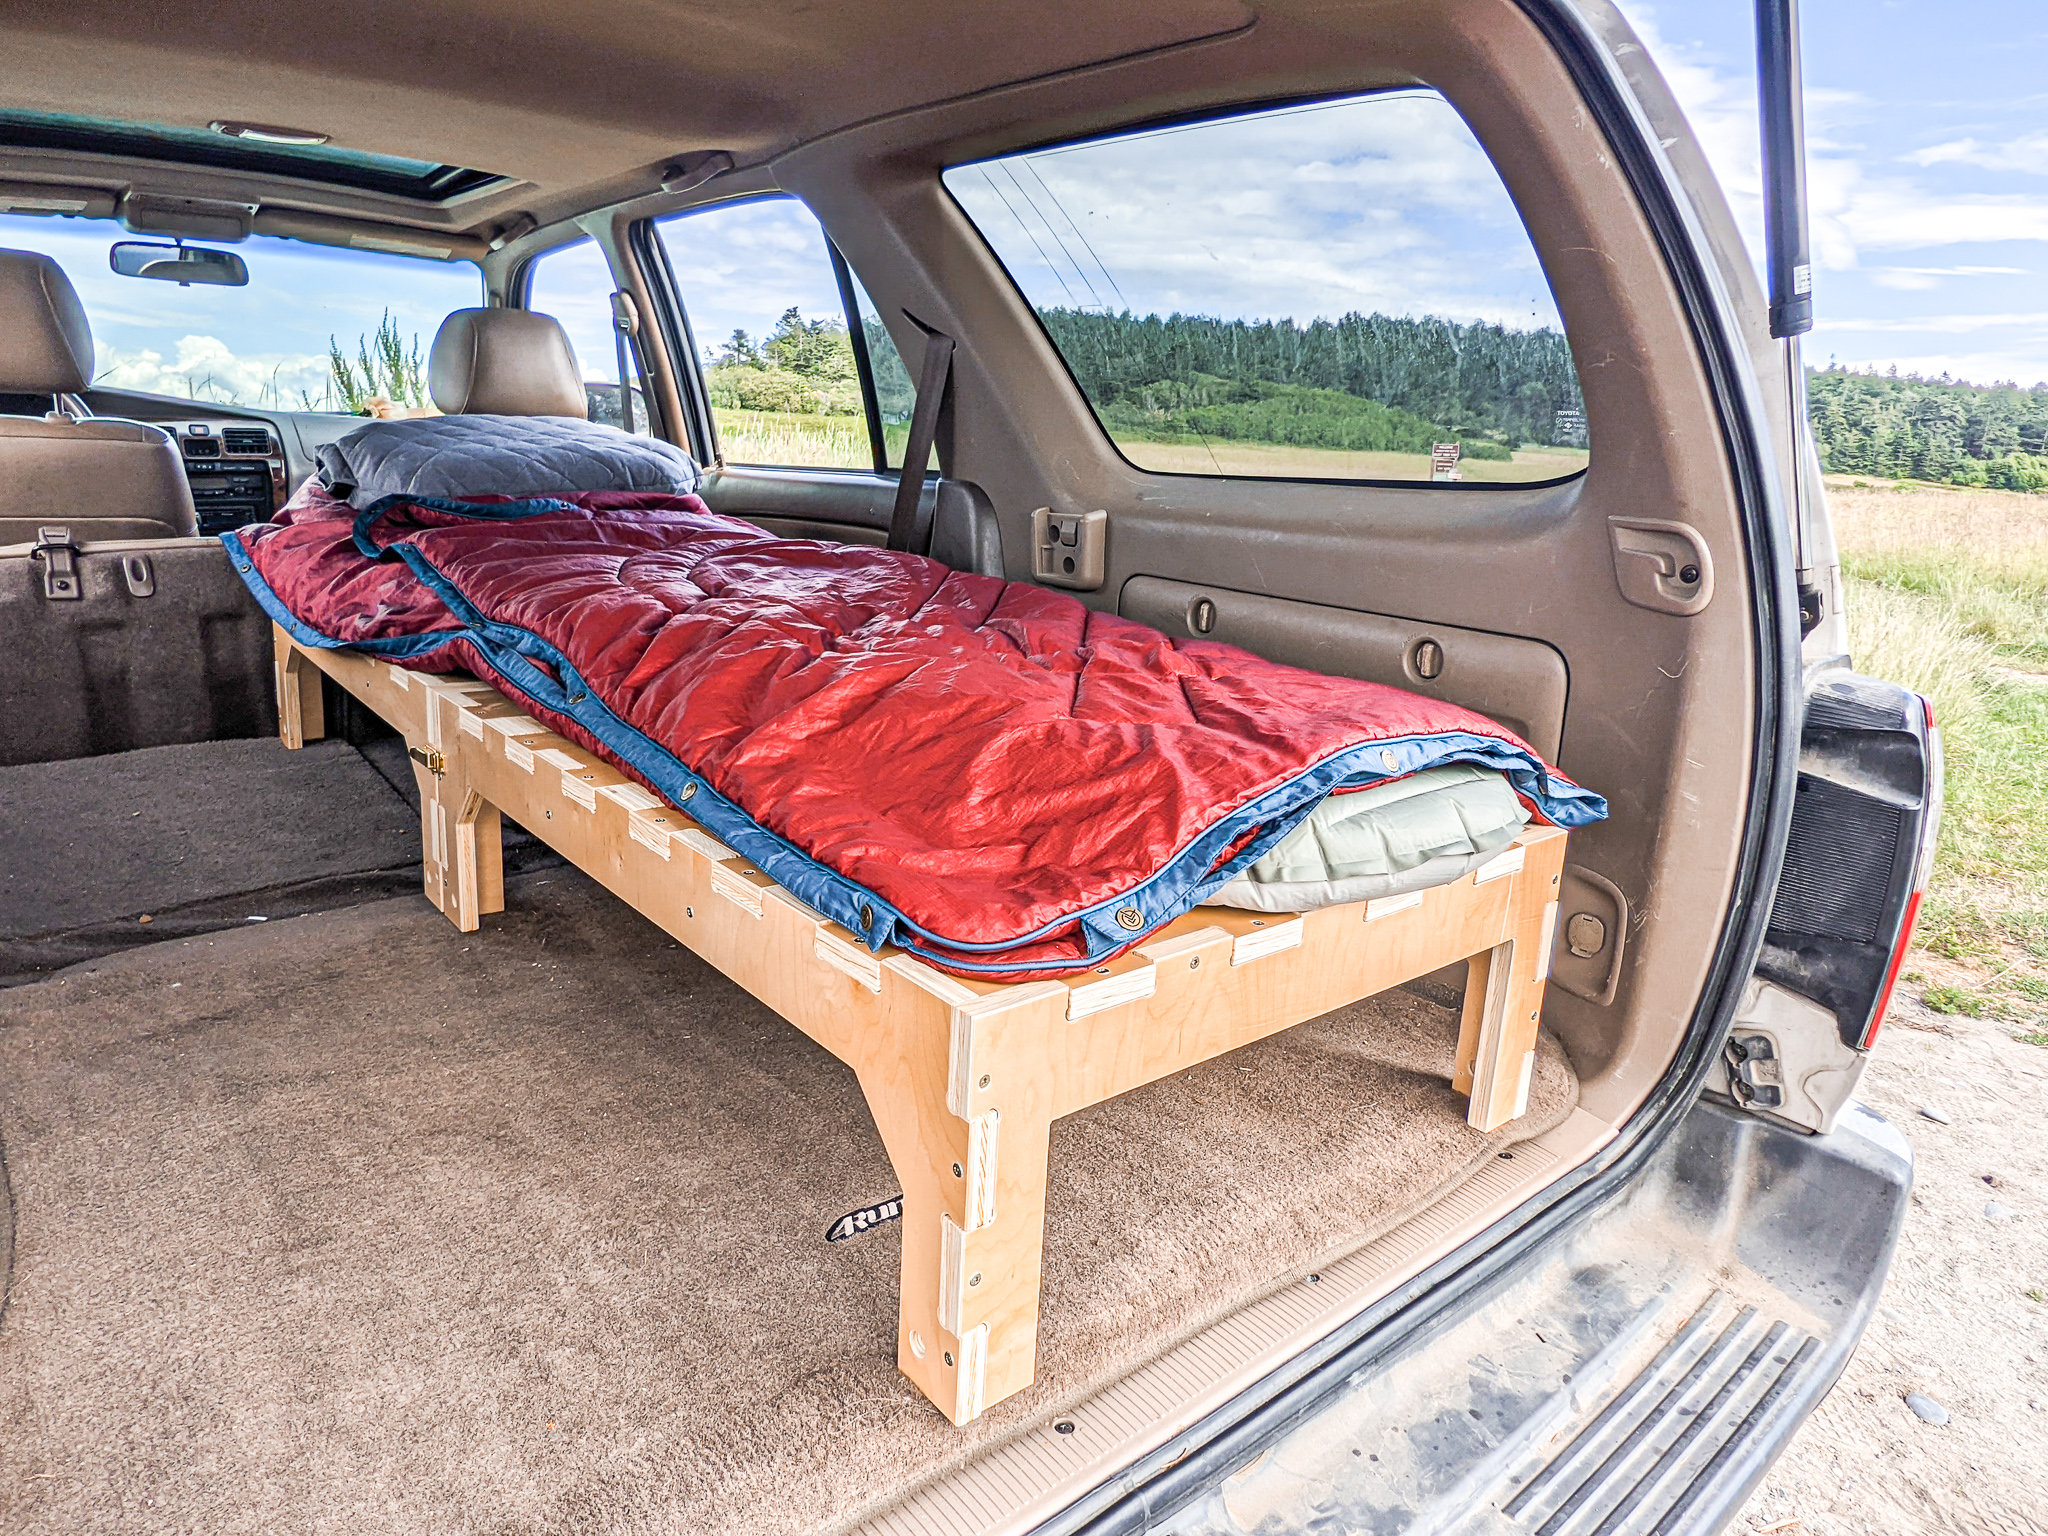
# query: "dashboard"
{"type": "Point", "coordinates": [236, 468]}
{"type": "Point", "coordinates": [242, 463]}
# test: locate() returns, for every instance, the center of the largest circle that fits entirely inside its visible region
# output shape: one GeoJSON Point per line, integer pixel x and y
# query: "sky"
{"type": "Point", "coordinates": [1928, 168]}
{"type": "Point", "coordinates": [1384, 204]}
{"type": "Point", "coordinates": [265, 344]}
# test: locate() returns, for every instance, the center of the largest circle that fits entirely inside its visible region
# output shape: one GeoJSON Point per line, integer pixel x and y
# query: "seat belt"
{"type": "Point", "coordinates": [905, 529]}
{"type": "Point", "coordinates": [625, 321]}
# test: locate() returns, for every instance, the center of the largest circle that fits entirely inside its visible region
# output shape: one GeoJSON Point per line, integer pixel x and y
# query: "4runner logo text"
{"type": "Point", "coordinates": [853, 1223]}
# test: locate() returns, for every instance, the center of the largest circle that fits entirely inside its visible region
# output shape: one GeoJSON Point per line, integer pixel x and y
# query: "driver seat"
{"type": "Point", "coordinates": [95, 477]}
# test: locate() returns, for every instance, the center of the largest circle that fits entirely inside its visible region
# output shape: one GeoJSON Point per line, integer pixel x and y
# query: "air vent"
{"type": "Point", "coordinates": [201, 448]}
{"type": "Point", "coordinates": [246, 440]}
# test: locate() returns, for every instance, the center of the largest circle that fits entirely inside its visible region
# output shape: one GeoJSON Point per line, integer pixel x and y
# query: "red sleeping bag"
{"type": "Point", "coordinates": [988, 773]}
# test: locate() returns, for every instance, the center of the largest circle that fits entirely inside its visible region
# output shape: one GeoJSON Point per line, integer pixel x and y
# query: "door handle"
{"type": "Point", "coordinates": [1661, 565]}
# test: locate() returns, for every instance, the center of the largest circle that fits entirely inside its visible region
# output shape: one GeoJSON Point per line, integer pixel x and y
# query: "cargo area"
{"type": "Point", "coordinates": [342, 1212]}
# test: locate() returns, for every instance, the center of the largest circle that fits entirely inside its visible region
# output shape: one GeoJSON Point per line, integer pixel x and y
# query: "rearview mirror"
{"type": "Point", "coordinates": [180, 264]}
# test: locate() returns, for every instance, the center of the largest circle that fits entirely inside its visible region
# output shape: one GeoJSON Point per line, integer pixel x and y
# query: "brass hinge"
{"type": "Point", "coordinates": [431, 760]}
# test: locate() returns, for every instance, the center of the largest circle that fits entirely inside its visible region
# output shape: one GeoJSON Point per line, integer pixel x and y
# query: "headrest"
{"type": "Point", "coordinates": [45, 339]}
{"type": "Point", "coordinates": [505, 362]}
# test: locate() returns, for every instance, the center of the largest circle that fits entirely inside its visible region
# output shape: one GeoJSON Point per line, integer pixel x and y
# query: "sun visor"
{"type": "Point", "coordinates": [363, 235]}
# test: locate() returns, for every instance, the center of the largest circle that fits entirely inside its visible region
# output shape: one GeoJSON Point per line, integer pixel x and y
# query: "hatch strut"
{"type": "Point", "coordinates": [1788, 257]}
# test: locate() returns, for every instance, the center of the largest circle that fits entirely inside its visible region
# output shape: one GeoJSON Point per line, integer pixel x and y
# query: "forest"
{"type": "Point", "coordinates": [1904, 427]}
{"type": "Point", "coordinates": [1365, 382]}
{"type": "Point", "coordinates": [1385, 383]}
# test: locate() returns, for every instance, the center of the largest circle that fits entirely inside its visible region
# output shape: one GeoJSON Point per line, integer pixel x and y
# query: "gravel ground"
{"type": "Point", "coordinates": [1964, 1319]}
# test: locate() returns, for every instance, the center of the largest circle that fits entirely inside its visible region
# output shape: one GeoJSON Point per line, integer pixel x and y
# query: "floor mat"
{"type": "Point", "coordinates": [353, 1223]}
{"type": "Point", "coordinates": [191, 836]}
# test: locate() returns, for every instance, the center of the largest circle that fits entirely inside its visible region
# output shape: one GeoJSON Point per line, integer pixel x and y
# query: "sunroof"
{"type": "Point", "coordinates": [357, 168]}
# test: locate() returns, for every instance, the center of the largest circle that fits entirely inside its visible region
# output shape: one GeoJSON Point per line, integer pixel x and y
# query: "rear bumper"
{"type": "Point", "coordinates": [1637, 1371]}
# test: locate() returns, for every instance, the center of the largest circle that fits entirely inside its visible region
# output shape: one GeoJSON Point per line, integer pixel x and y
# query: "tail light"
{"type": "Point", "coordinates": [1860, 850]}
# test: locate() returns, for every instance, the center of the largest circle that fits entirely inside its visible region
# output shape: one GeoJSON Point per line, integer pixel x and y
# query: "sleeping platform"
{"type": "Point", "coordinates": [964, 1074]}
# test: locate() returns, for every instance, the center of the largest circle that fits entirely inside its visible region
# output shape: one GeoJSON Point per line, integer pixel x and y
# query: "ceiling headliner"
{"type": "Point", "coordinates": [579, 104]}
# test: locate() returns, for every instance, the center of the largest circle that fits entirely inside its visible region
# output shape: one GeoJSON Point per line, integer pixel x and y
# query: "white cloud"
{"type": "Point", "coordinates": [2035, 321]}
{"type": "Point", "coordinates": [1919, 279]}
{"type": "Point", "coordinates": [1384, 204]}
{"type": "Point", "coordinates": [1896, 214]}
{"type": "Point", "coordinates": [2028, 154]}
{"type": "Point", "coordinates": [206, 368]}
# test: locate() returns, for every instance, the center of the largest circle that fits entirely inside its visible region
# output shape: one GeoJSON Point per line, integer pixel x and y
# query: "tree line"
{"type": "Point", "coordinates": [1411, 380]}
{"type": "Point", "coordinates": [1905, 427]}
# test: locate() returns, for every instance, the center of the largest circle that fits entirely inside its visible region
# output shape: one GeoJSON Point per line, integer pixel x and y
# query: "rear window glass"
{"type": "Point", "coordinates": [1338, 291]}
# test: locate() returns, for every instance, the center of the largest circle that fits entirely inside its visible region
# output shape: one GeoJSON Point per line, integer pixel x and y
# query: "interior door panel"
{"type": "Point", "coordinates": [853, 507]}
{"type": "Point", "coordinates": [1518, 682]}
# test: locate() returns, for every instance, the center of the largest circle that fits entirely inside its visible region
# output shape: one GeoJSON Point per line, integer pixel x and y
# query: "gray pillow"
{"type": "Point", "coordinates": [498, 455]}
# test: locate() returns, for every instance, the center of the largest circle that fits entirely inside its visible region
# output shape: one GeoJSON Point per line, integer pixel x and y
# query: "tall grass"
{"type": "Point", "coordinates": [785, 437]}
{"type": "Point", "coordinates": [1947, 592]}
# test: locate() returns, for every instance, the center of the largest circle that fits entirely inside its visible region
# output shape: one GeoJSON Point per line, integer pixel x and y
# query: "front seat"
{"type": "Point", "coordinates": [97, 477]}
{"type": "Point", "coordinates": [505, 362]}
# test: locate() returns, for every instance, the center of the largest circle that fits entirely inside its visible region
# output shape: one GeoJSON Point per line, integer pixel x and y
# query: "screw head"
{"type": "Point", "coordinates": [949, 1357]}
{"type": "Point", "coordinates": [958, 1171]}
{"type": "Point", "coordinates": [1064, 1427]}
{"type": "Point", "coordinates": [1194, 962]}
{"type": "Point", "coordinates": [984, 1079]}
{"type": "Point", "coordinates": [974, 1279]}
{"type": "Point", "coordinates": [1688, 574]}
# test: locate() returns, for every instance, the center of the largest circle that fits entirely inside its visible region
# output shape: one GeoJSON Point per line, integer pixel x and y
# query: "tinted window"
{"type": "Point", "coordinates": [1339, 291]}
{"type": "Point", "coordinates": [777, 347]}
{"type": "Point", "coordinates": [318, 327]}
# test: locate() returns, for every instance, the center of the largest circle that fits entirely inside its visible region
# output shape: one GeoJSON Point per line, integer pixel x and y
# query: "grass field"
{"type": "Point", "coordinates": [1280, 460]}
{"type": "Point", "coordinates": [841, 442]}
{"type": "Point", "coordinates": [1947, 592]}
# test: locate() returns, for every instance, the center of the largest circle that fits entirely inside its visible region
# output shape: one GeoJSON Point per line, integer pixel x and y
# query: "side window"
{"type": "Point", "coordinates": [574, 284]}
{"type": "Point", "coordinates": [1340, 291]}
{"type": "Point", "coordinates": [782, 356]}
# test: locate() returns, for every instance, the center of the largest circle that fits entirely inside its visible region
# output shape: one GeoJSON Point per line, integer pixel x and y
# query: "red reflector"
{"type": "Point", "coordinates": [1891, 973]}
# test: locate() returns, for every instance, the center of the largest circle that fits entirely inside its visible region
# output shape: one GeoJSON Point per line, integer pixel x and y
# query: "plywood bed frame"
{"type": "Point", "coordinates": [964, 1078]}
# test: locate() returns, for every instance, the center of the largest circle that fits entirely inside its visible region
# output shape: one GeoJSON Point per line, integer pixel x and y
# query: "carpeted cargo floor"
{"type": "Point", "coordinates": [103, 853]}
{"type": "Point", "coordinates": [352, 1223]}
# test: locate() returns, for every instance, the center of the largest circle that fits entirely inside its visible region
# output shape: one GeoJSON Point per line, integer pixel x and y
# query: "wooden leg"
{"type": "Point", "coordinates": [479, 862]}
{"type": "Point", "coordinates": [1478, 970]}
{"type": "Point", "coordinates": [301, 716]}
{"type": "Point", "coordinates": [967, 1330]}
{"type": "Point", "coordinates": [1505, 990]}
{"type": "Point", "coordinates": [964, 1113]}
{"type": "Point", "coordinates": [462, 835]}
